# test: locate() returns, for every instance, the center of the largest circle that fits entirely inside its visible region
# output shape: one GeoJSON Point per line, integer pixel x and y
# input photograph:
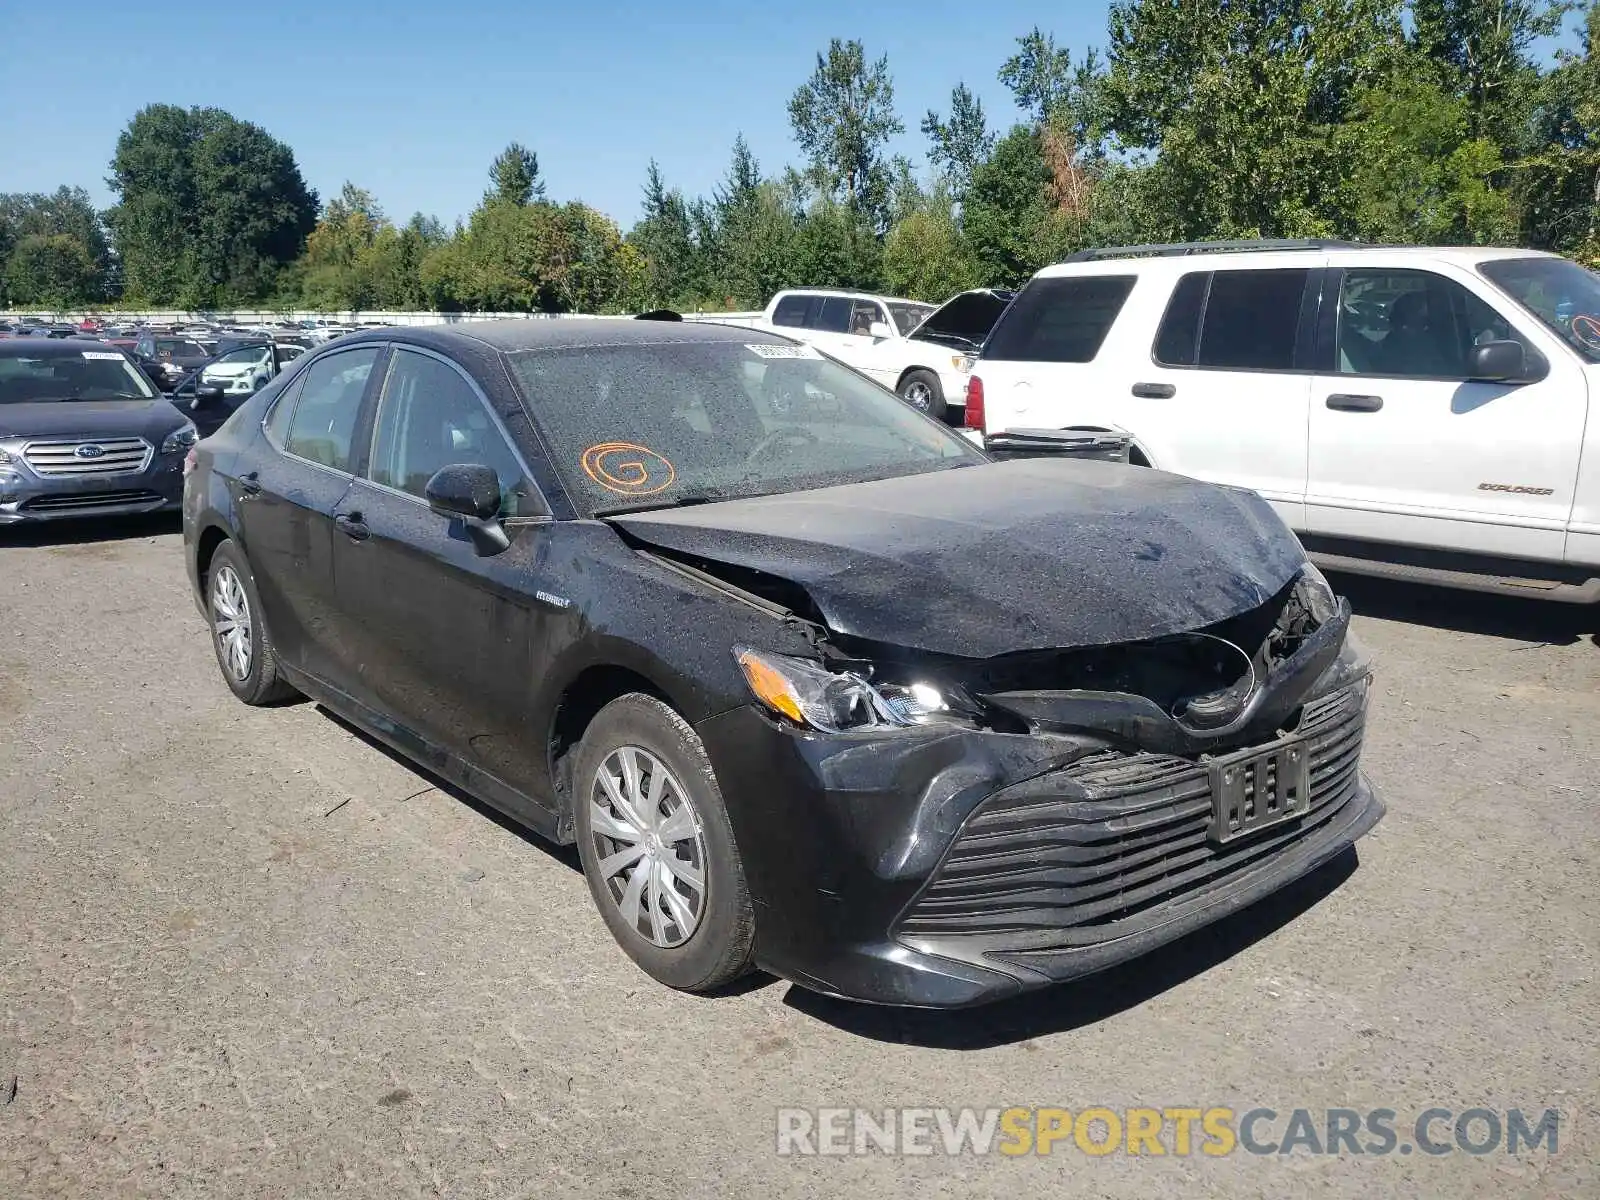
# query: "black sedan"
{"type": "Point", "coordinates": [813, 684]}
{"type": "Point", "coordinates": [168, 360]}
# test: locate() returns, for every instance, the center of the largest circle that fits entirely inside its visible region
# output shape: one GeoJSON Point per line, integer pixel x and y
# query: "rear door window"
{"type": "Point", "coordinates": [833, 316]}
{"type": "Point", "coordinates": [324, 421]}
{"type": "Point", "coordinates": [1178, 338]}
{"type": "Point", "coordinates": [1251, 320]}
{"type": "Point", "coordinates": [1063, 319]}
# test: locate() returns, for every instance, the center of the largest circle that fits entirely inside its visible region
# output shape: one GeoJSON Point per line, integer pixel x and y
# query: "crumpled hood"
{"type": "Point", "coordinates": [90, 419]}
{"type": "Point", "coordinates": [1031, 554]}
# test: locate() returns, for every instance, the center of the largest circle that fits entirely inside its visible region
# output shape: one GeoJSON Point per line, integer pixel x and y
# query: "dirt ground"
{"type": "Point", "coordinates": [248, 953]}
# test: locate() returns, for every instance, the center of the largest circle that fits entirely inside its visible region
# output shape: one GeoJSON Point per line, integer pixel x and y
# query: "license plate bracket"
{"type": "Point", "coordinates": [1259, 788]}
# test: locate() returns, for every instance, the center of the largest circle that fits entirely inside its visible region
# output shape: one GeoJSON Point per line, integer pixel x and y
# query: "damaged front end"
{"type": "Point", "coordinates": [973, 827]}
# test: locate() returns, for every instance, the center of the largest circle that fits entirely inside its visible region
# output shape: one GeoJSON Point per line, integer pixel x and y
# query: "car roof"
{"type": "Point", "coordinates": [847, 295]}
{"type": "Point", "coordinates": [37, 347]}
{"type": "Point", "coordinates": [1308, 256]}
{"type": "Point", "coordinates": [560, 333]}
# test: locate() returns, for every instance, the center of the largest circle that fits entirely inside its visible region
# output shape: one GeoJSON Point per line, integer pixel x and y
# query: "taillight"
{"type": "Point", "coordinates": [974, 418]}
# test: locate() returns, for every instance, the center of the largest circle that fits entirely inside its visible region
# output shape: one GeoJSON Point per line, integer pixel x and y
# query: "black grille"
{"type": "Point", "coordinates": [89, 501]}
{"type": "Point", "coordinates": [1036, 866]}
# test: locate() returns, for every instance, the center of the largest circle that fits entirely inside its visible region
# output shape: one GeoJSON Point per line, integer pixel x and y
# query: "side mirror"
{"type": "Point", "coordinates": [880, 329]}
{"type": "Point", "coordinates": [470, 492]}
{"type": "Point", "coordinates": [1499, 362]}
{"type": "Point", "coordinates": [207, 394]}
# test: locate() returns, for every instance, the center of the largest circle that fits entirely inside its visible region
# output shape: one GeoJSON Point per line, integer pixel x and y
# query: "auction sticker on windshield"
{"type": "Point", "coordinates": [103, 355]}
{"type": "Point", "coordinates": [769, 350]}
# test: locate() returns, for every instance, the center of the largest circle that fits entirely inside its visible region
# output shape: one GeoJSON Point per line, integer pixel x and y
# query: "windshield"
{"type": "Point", "coordinates": [1556, 290]}
{"type": "Point", "coordinates": [91, 375]}
{"type": "Point", "coordinates": [644, 426]}
{"type": "Point", "coordinates": [179, 348]}
{"type": "Point", "coordinates": [908, 316]}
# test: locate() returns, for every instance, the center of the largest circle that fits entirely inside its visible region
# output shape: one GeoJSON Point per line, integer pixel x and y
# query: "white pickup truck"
{"type": "Point", "coordinates": [1426, 413]}
{"type": "Point", "coordinates": [918, 350]}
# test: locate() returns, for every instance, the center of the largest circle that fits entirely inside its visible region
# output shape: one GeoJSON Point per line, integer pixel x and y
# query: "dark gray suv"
{"type": "Point", "coordinates": [83, 433]}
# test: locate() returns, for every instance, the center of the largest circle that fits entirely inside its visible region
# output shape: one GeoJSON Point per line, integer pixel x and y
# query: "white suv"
{"type": "Point", "coordinates": [1412, 412]}
{"type": "Point", "coordinates": [917, 350]}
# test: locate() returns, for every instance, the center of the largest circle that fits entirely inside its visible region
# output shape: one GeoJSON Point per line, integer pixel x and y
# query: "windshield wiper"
{"type": "Point", "coordinates": [704, 496]}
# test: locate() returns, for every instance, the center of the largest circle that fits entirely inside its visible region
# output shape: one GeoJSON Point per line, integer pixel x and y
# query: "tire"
{"type": "Point", "coordinates": [228, 579]}
{"type": "Point", "coordinates": [692, 944]}
{"type": "Point", "coordinates": [922, 390]}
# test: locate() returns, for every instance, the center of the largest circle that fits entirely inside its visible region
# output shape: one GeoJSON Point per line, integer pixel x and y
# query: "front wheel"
{"type": "Point", "coordinates": [657, 849]}
{"type": "Point", "coordinates": [922, 390]}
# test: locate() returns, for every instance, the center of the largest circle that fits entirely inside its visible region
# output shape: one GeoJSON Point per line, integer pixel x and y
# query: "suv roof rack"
{"type": "Point", "coordinates": [1176, 249]}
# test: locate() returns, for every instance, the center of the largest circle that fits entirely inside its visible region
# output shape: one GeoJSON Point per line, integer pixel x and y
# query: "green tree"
{"type": "Point", "coordinates": [925, 256]}
{"type": "Point", "coordinates": [1416, 174]}
{"type": "Point", "coordinates": [446, 275]}
{"type": "Point", "coordinates": [760, 249]}
{"type": "Point", "coordinates": [514, 176]}
{"type": "Point", "coordinates": [344, 266]}
{"type": "Point", "coordinates": [958, 144]}
{"type": "Point", "coordinates": [750, 253]}
{"type": "Point", "coordinates": [666, 240]}
{"type": "Point", "coordinates": [1484, 51]}
{"type": "Point", "coordinates": [67, 212]}
{"type": "Point", "coordinates": [843, 118]}
{"type": "Point", "coordinates": [1013, 220]}
{"type": "Point", "coordinates": [1557, 187]}
{"type": "Point", "coordinates": [834, 246]}
{"type": "Point", "coordinates": [50, 270]}
{"type": "Point", "coordinates": [1237, 103]}
{"type": "Point", "coordinates": [209, 207]}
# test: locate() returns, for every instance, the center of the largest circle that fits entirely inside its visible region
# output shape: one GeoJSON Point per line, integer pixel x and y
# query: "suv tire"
{"type": "Point", "coordinates": [922, 390]}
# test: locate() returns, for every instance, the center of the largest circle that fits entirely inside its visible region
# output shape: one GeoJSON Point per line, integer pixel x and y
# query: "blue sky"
{"type": "Point", "coordinates": [412, 100]}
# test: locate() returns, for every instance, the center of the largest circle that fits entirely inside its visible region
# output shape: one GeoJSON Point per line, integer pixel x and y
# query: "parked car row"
{"type": "Point", "coordinates": [921, 352]}
{"type": "Point", "coordinates": [814, 683]}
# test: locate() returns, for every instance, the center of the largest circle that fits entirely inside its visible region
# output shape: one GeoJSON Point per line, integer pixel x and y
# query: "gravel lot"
{"type": "Point", "coordinates": [246, 952]}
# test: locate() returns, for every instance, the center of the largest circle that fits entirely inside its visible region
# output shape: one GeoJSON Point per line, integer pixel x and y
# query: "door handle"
{"type": "Point", "coordinates": [1154, 391]}
{"type": "Point", "coordinates": [250, 483]}
{"type": "Point", "coordinates": [352, 526]}
{"type": "Point", "coordinates": [1347, 403]}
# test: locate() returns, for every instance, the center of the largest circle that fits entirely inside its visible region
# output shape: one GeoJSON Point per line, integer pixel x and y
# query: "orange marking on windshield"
{"type": "Point", "coordinates": [628, 469]}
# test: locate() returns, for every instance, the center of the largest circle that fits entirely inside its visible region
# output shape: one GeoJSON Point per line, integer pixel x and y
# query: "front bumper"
{"type": "Point", "coordinates": [26, 497]}
{"type": "Point", "coordinates": [950, 868]}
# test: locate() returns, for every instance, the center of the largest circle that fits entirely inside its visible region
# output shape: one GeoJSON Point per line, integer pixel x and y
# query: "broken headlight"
{"type": "Point", "coordinates": [811, 695]}
{"type": "Point", "coordinates": [1317, 595]}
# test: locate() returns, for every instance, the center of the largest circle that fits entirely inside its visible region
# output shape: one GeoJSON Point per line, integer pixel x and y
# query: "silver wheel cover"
{"type": "Point", "coordinates": [230, 622]}
{"type": "Point", "coordinates": [648, 845]}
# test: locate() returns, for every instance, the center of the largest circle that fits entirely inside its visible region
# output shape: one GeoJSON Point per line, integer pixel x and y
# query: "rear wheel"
{"type": "Point", "coordinates": [238, 634]}
{"type": "Point", "coordinates": [922, 390]}
{"type": "Point", "coordinates": [657, 849]}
